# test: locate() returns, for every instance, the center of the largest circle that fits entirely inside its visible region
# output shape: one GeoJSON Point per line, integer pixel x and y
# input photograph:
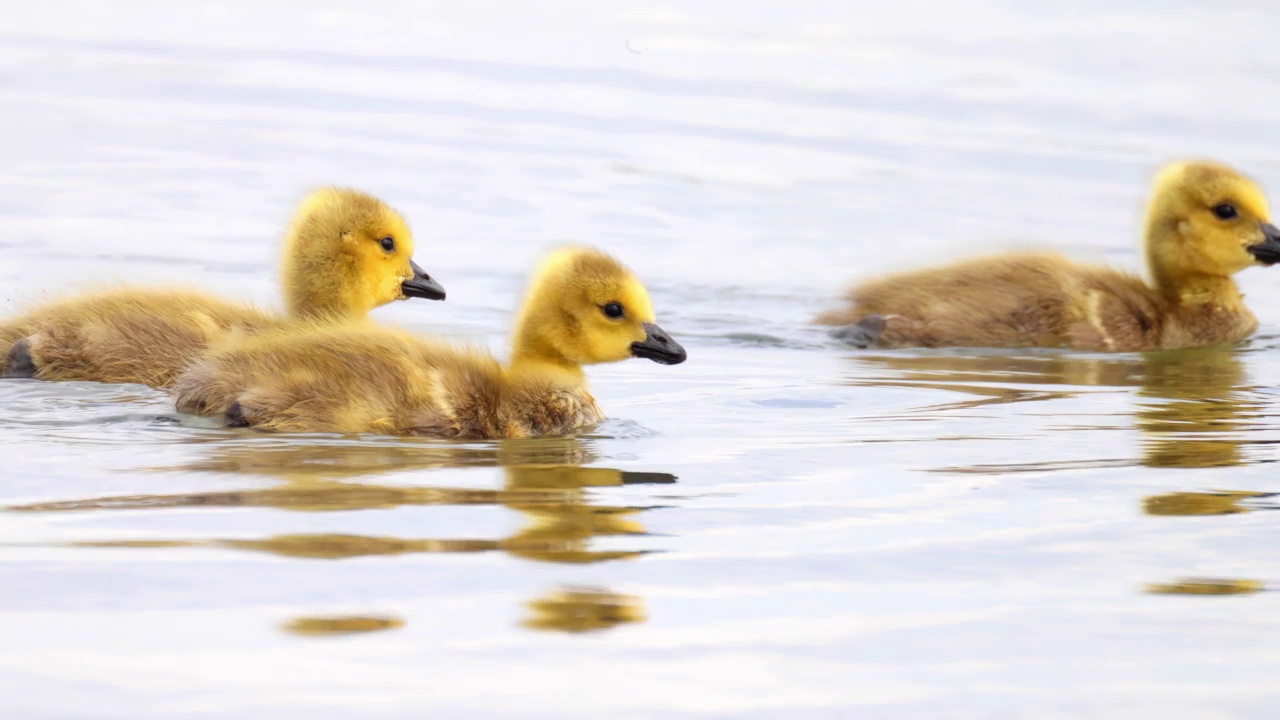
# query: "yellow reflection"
{"type": "Point", "coordinates": [305, 496]}
{"type": "Point", "coordinates": [333, 546]}
{"type": "Point", "coordinates": [562, 520]}
{"type": "Point", "coordinates": [1193, 405]}
{"type": "Point", "coordinates": [337, 459]}
{"type": "Point", "coordinates": [1207, 586]}
{"type": "Point", "coordinates": [544, 480]}
{"type": "Point", "coordinates": [1195, 409]}
{"type": "Point", "coordinates": [578, 610]}
{"type": "Point", "coordinates": [561, 532]}
{"type": "Point", "coordinates": [1189, 504]}
{"type": "Point", "coordinates": [998, 379]}
{"type": "Point", "coordinates": [342, 625]}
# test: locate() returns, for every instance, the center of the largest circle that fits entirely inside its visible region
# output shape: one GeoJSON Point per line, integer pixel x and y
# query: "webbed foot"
{"type": "Point", "coordinates": [863, 333]}
{"type": "Point", "coordinates": [234, 416]}
{"type": "Point", "coordinates": [18, 363]}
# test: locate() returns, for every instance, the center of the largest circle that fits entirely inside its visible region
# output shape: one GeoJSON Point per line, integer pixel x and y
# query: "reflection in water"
{"type": "Point", "coordinates": [534, 543]}
{"type": "Point", "coordinates": [337, 459]}
{"type": "Point", "coordinates": [1193, 405]}
{"type": "Point", "coordinates": [578, 610]}
{"type": "Point", "coordinates": [319, 546]}
{"type": "Point", "coordinates": [542, 481]}
{"type": "Point", "coordinates": [561, 518]}
{"type": "Point", "coordinates": [1207, 586]}
{"type": "Point", "coordinates": [996, 378]}
{"type": "Point", "coordinates": [305, 496]}
{"type": "Point", "coordinates": [1200, 408]}
{"type": "Point", "coordinates": [1189, 504]}
{"type": "Point", "coordinates": [345, 625]}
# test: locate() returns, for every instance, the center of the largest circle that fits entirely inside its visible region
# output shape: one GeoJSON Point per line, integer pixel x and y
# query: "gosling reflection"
{"type": "Point", "coordinates": [339, 459]}
{"type": "Point", "coordinates": [581, 610]}
{"type": "Point", "coordinates": [305, 496]}
{"type": "Point", "coordinates": [1196, 409]}
{"type": "Point", "coordinates": [997, 379]}
{"type": "Point", "coordinates": [1193, 504]}
{"type": "Point", "coordinates": [561, 532]}
{"type": "Point", "coordinates": [562, 521]}
{"type": "Point", "coordinates": [1194, 406]}
{"type": "Point", "coordinates": [341, 625]}
{"type": "Point", "coordinates": [1207, 586]}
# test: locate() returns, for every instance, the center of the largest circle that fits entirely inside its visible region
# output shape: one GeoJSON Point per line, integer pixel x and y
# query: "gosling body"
{"type": "Point", "coordinates": [582, 307]}
{"type": "Point", "coordinates": [344, 254]}
{"type": "Point", "coordinates": [1205, 222]}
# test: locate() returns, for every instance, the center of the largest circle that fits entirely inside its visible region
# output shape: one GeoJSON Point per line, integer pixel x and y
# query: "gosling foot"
{"type": "Point", "coordinates": [18, 363]}
{"type": "Point", "coordinates": [234, 417]}
{"type": "Point", "coordinates": [863, 333]}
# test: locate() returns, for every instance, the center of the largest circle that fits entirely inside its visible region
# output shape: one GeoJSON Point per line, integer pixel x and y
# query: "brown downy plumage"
{"type": "Point", "coordinates": [1205, 222]}
{"type": "Point", "coordinates": [582, 307]}
{"type": "Point", "coordinates": [345, 253]}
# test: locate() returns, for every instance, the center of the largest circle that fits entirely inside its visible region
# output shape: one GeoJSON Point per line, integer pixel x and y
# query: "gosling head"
{"type": "Point", "coordinates": [584, 307]}
{"type": "Point", "coordinates": [1208, 219]}
{"type": "Point", "coordinates": [347, 253]}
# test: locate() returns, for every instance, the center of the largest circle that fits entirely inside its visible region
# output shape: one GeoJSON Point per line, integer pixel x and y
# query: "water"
{"type": "Point", "coordinates": [778, 527]}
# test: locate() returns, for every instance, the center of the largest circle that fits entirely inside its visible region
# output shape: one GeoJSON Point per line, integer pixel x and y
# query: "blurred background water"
{"type": "Point", "coordinates": [779, 527]}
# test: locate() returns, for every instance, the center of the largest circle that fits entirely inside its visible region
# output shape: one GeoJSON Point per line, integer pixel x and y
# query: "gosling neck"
{"type": "Point", "coordinates": [1193, 289]}
{"type": "Point", "coordinates": [320, 307]}
{"type": "Point", "coordinates": [532, 354]}
{"type": "Point", "coordinates": [1174, 284]}
{"type": "Point", "coordinates": [316, 295]}
{"type": "Point", "coordinates": [1199, 289]}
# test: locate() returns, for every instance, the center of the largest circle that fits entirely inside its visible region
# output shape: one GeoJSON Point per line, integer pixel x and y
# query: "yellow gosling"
{"type": "Point", "coordinates": [344, 254]}
{"type": "Point", "coordinates": [582, 307]}
{"type": "Point", "coordinates": [1205, 222]}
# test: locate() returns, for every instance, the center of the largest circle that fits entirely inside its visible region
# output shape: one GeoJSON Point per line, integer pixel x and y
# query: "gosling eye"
{"type": "Point", "coordinates": [613, 310]}
{"type": "Point", "coordinates": [1225, 211]}
{"type": "Point", "coordinates": [388, 244]}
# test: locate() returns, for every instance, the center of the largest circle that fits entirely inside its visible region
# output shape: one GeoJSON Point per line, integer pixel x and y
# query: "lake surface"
{"type": "Point", "coordinates": [777, 528]}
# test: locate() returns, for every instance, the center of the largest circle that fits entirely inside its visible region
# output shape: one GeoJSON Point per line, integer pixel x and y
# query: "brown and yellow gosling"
{"type": "Point", "coordinates": [345, 253]}
{"type": "Point", "coordinates": [582, 307]}
{"type": "Point", "coordinates": [1205, 222]}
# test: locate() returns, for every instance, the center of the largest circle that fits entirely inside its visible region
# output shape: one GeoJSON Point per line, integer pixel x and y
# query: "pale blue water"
{"type": "Point", "coordinates": [960, 535]}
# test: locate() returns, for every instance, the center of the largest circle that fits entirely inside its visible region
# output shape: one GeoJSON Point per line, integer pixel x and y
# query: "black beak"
{"type": "Point", "coordinates": [658, 346]}
{"type": "Point", "coordinates": [1268, 251]}
{"type": "Point", "coordinates": [421, 285]}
